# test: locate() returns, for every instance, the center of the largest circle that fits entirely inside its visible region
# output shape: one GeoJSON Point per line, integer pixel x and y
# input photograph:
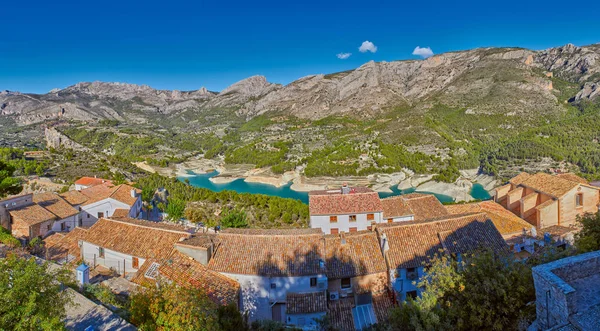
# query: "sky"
{"type": "Point", "coordinates": [186, 45]}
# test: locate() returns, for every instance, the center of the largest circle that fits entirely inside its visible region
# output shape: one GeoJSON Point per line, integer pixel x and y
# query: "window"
{"type": "Point", "coordinates": [135, 263]}
{"type": "Point", "coordinates": [370, 217]}
{"type": "Point", "coordinates": [346, 283]}
{"type": "Point", "coordinates": [390, 220]}
{"type": "Point", "coordinates": [579, 200]}
{"type": "Point", "coordinates": [411, 273]}
{"type": "Point", "coordinates": [100, 214]}
{"type": "Point", "coordinates": [63, 226]}
{"type": "Point", "coordinates": [332, 219]}
{"type": "Point", "coordinates": [273, 285]}
{"type": "Point", "coordinates": [352, 218]}
{"type": "Point", "coordinates": [411, 294]}
{"type": "Point", "coordinates": [49, 227]}
{"type": "Point", "coordinates": [101, 252]}
{"type": "Point", "coordinates": [353, 229]}
{"type": "Point", "coordinates": [334, 231]}
{"type": "Point", "coordinates": [313, 282]}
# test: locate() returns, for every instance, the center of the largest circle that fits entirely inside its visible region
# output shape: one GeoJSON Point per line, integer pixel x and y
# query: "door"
{"type": "Point", "coordinates": [135, 263]}
{"type": "Point", "coordinates": [278, 312]}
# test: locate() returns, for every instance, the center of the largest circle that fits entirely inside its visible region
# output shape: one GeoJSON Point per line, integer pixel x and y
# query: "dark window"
{"type": "Point", "coordinates": [100, 214]}
{"type": "Point", "coordinates": [335, 231]}
{"type": "Point", "coordinates": [100, 252]}
{"type": "Point", "coordinates": [411, 273]}
{"type": "Point", "coordinates": [273, 285]}
{"type": "Point", "coordinates": [49, 227]}
{"type": "Point", "coordinates": [63, 226]}
{"type": "Point", "coordinates": [313, 282]}
{"type": "Point", "coordinates": [370, 217]}
{"type": "Point", "coordinates": [352, 218]}
{"type": "Point", "coordinates": [346, 283]}
{"type": "Point", "coordinates": [411, 294]}
{"type": "Point", "coordinates": [579, 200]}
{"type": "Point", "coordinates": [332, 219]}
{"type": "Point", "coordinates": [390, 220]}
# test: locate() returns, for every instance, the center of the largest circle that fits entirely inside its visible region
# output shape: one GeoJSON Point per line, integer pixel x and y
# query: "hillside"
{"type": "Point", "coordinates": [499, 108]}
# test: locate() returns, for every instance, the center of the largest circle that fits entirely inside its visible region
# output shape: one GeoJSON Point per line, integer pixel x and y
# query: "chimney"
{"type": "Point", "coordinates": [384, 243]}
{"type": "Point", "coordinates": [345, 188]}
{"type": "Point", "coordinates": [133, 195]}
{"type": "Point", "coordinates": [343, 238]}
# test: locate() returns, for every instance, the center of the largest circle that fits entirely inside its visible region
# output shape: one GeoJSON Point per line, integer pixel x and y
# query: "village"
{"type": "Point", "coordinates": [361, 255]}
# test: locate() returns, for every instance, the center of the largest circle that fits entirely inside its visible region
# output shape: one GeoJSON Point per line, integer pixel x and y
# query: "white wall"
{"type": "Point", "coordinates": [343, 223]}
{"type": "Point", "coordinates": [257, 295]}
{"type": "Point", "coordinates": [107, 206]}
{"type": "Point", "coordinates": [70, 223]}
{"type": "Point", "coordinates": [309, 320]}
{"type": "Point", "coordinates": [112, 259]}
{"type": "Point", "coordinates": [402, 284]}
{"type": "Point", "coordinates": [403, 218]}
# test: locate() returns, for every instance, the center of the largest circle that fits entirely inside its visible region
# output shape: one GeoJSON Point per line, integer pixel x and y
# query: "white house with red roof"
{"type": "Point", "coordinates": [87, 182]}
{"type": "Point", "coordinates": [349, 209]}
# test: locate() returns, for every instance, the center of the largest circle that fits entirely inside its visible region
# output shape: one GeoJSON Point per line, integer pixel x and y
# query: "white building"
{"type": "Point", "coordinates": [348, 209]}
{"type": "Point", "coordinates": [271, 265]}
{"type": "Point", "coordinates": [87, 182]}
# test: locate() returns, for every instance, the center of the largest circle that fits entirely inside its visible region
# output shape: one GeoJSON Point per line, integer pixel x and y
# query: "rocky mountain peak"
{"type": "Point", "coordinates": [251, 86]}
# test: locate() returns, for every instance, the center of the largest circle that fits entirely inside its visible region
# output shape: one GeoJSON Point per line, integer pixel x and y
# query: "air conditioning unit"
{"type": "Point", "coordinates": [333, 296]}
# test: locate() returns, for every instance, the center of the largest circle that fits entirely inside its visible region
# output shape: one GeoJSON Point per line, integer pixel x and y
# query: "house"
{"type": "Point", "coordinates": [303, 310]}
{"type": "Point", "coordinates": [63, 248]}
{"type": "Point", "coordinates": [546, 200]}
{"type": "Point", "coordinates": [37, 215]}
{"type": "Point", "coordinates": [125, 244]}
{"type": "Point", "coordinates": [357, 280]}
{"type": "Point", "coordinates": [104, 200]}
{"type": "Point", "coordinates": [409, 246]}
{"type": "Point", "coordinates": [412, 207]}
{"type": "Point", "coordinates": [87, 182]}
{"type": "Point", "coordinates": [567, 293]}
{"type": "Point", "coordinates": [344, 210]}
{"type": "Point", "coordinates": [271, 265]}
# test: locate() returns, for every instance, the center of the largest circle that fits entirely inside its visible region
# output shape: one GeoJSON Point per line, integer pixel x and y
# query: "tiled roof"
{"type": "Point", "coordinates": [273, 232]}
{"type": "Point", "coordinates": [134, 237]}
{"type": "Point", "coordinates": [340, 314]}
{"type": "Point", "coordinates": [363, 200]}
{"type": "Point", "coordinates": [120, 193]}
{"type": "Point", "coordinates": [555, 230]}
{"type": "Point", "coordinates": [268, 255]}
{"type": "Point", "coordinates": [306, 303]}
{"type": "Point", "coordinates": [55, 204]}
{"type": "Point", "coordinates": [96, 193]}
{"type": "Point", "coordinates": [572, 177]}
{"type": "Point", "coordinates": [505, 221]}
{"type": "Point", "coordinates": [120, 213]}
{"type": "Point", "coordinates": [395, 207]}
{"type": "Point", "coordinates": [92, 181]}
{"type": "Point", "coordinates": [186, 271]}
{"type": "Point", "coordinates": [412, 245]}
{"type": "Point", "coordinates": [204, 240]}
{"type": "Point", "coordinates": [518, 179]}
{"type": "Point", "coordinates": [123, 193]}
{"type": "Point", "coordinates": [359, 256]}
{"type": "Point", "coordinates": [74, 197]}
{"type": "Point", "coordinates": [382, 304]}
{"type": "Point", "coordinates": [59, 246]}
{"type": "Point", "coordinates": [32, 214]}
{"type": "Point", "coordinates": [552, 185]}
{"type": "Point", "coordinates": [425, 206]}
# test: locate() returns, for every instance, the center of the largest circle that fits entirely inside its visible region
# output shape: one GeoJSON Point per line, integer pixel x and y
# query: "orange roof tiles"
{"type": "Point", "coordinates": [74, 197]}
{"type": "Point", "coordinates": [120, 213]}
{"type": "Point", "coordinates": [395, 207]}
{"type": "Point", "coordinates": [412, 245]}
{"type": "Point", "coordinates": [360, 255]}
{"type": "Point", "coordinates": [573, 177]}
{"type": "Point", "coordinates": [96, 193]}
{"type": "Point", "coordinates": [120, 193]}
{"type": "Point", "coordinates": [505, 221]}
{"type": "Point", "coordinates": [306, 303]}
{"type": "Point", "coordinates": [333, 202]}
{"type": "Point", "coordinates": [123, 193]}
{"type": "Point", "coordinates": [425, 206]}
{"type": "Point", "coordinates": [518, 179]}
{"type": "Point", "coordinates": [551, 185]}
{"type": "Point", "coordinates": [59, 246]}
{"type": "Point", "coordinates": [32, 214]}
{"type": "Point", "coordinates": [55, 204]}
{"type": "Point", "coordinates": [92, 181]}
{"type": "Point", "coordinates": [268, 255]}
{"type": "Point", "coordinates": [135, 237]}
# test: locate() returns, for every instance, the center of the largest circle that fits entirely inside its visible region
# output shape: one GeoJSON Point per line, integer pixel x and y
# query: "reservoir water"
{"type": "Point", "coordinates": [240, 186]}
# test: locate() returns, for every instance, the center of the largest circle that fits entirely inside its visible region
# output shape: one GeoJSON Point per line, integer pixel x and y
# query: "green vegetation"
{"type": "Point", "coordinates": [588, 239]}
{"type": "Point", "coordinates": [8, 183]}
{"type": "Point", "coordinates": [31, 295]}
{"type": "Point", "coordinates": [7, 239]}
{"type": "Point", "coordinates": [234, 218]}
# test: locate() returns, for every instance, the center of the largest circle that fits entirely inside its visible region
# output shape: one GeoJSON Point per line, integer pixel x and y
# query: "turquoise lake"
{"type": "Point", "coordinates": [240, 186]}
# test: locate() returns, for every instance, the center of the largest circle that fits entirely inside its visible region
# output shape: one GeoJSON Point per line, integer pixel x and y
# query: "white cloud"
{"type": "Point", "coordinates": [424, 52]}
{"type": "Point", "coordinates": [343, 56]}
{"type": "Point", "coordinates": [367, 46]}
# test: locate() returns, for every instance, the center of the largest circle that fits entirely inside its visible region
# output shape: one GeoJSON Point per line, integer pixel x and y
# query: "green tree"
{"type": "Point", "coordinates": [31, 295]}
{"type": "Point", "coordinates": [588, 239]}
{"type": "Point", "coordinates": [229, 318]}
{"type": "Point", "coordinates": [8, 184]}
{"type": "Point", "coordinates": [235, 218]}
{"type": "Point", "coordinates": [175, 209]}
{"type": "Point", "coordinates": [170, 307]}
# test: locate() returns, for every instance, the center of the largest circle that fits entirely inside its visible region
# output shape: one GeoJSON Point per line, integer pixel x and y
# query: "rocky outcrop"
{"type": "Point", "coordinates": [57, 140]}
{"type": "Point", "coordinates": [590, 91]}
{"type": "Point", "coordinates": [571, 62]}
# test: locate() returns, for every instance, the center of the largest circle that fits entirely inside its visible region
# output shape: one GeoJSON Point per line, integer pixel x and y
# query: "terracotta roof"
{"type": "Point", "coordinates": [340, 314]}
{"type": "Point", "coordinates": [518, 179]}
{"type": "Point", "coordinates": [92, 181]}
{"type": "Point", "coordinates": [55, 204]}
{"type": "Point", "coordinates": [360, 255]}
{"type": "Point", "coordinates": [573, 177]}
{"type": "Point", "coordinates": [59, 246]}
{"type": "Point", "coordinates": [134, 237]}
{"type": "Point", "coordinates": [555, 230]}
{"type": "Point", "coordinates": [122, 193]}
{"type": "Point", "coordinates": [96, 193]}
{"type": "Point", "coordinates": [425, 206]}
{"type": "Point", "coordinates": [32, 214]}
{"type": "Point", "coordinates": [273, 232]}
{"type": "Point", "coordinates": [120, 213]}
{"type": "Point", "coordinates": [382, 304]}
{"type": "Point", "coordinates": [74, 197]}
{"type": "Point", "coordinates": [412, 245]}
{"type": "Point", "coordinates": [552, 185]}
{"type": "Point", "coordinates": [268, 255]}
{"type": "Point", "coordinates": [306, 303]}
{"type": "Point", "coordinates": [333, 202]}
{"type": "Point", "coordinates": [395, 207]}
{"type": "Point", "coordinates": [186, 271]}
{"type": "Point", "coordinates": [505, 221]}
{"type": "Point", "coordinates": [204, 240]}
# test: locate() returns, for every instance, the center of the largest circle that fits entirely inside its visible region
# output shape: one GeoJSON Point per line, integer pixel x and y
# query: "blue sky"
{"type": "Point", "coordinates": [187, 45]}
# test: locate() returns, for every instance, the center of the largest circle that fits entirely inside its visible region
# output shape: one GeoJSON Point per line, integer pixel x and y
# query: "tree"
{"type": "Point", "coordinates": [235, 218]}
{"type": "Point", "coordinates": [31, 295]}
{"type": "Point", "coordinates": [8, 184]}
{"type": "Point", "coordinates": [230, 319]}
{"type": "Point", "coordinates": [175, 209]}
{"type": "Point", "coordinates": [588, 239]}
{"type": "Point", "coordinates": [170, 307]}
